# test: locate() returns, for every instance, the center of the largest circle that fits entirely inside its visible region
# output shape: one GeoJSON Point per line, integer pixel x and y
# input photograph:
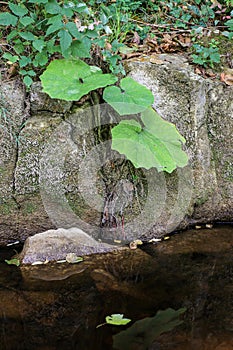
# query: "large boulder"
{"type": "Point", "coordinates": [12, 117]}
{"type": "Point", "coordinates": [55, 245]}
{"type": "Point", "coordinates": [41, 186]}
{"type": "Point", "coordinates": [202, 110]}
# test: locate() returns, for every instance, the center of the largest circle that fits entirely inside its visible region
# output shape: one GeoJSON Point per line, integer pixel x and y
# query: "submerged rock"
{"type": "Point", "coordinates": [54, 245]}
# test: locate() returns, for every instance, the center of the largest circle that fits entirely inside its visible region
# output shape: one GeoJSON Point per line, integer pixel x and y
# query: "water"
{"type": "Point", "coordinates": [58, 306]}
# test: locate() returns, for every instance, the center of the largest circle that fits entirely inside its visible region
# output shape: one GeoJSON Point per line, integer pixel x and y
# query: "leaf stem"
{"type": "Point", "coordinates": [102, 324]}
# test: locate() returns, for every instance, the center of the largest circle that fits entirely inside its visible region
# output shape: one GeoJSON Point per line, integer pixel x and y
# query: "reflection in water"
{"type": "Point", "coordinates": [58, 306]}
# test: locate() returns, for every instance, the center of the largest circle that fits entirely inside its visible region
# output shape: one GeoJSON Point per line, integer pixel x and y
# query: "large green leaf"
{"type": "Point", "coordinates": [156, 144]}
{"type": "Point", "coordinates": [70, 79]}
{"type": "Point", "coordinates": [143, 332]}
{"type": "Point", "coordinates": [130, 98]}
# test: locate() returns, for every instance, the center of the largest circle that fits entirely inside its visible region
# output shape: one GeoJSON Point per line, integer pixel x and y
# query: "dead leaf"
{"type": "Point", "coordinates": [198, 71]}
{"type": "Point", "coordinates": [155, 59]}
{"type": "Point", "coordinates": [227, 78]}
{"type": "Point", "coordinates": [108, 46]}
{"type": "Point", "coordinates": [132, 55]}
{"type": "Point", "coordinates": [136, 38]}
{"type": "Point", "coordinates": [13, 70]}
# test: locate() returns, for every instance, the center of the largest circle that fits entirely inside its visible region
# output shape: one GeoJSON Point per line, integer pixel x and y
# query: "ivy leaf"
{"type": "Point", "coordinates": [53, 8]}
{"type": "Point", "coordinates": [75, 77]}
{"type": "Point", "coordinates": [215, 57]}
{"type": "Point", "coordinates": [41, 59]}
{"type": "Point", "coordinates": [131, 98]}
{"type": "Point", "coordinates": [51, 47]}
{"type": "Point", "coordinates": [12, 34]}
{"type": "Point", "coordinates": [10, 57]}
{"type": "Point", "coordinates": [38, 1]}
{"type": "Point", "coordinates": [73, 30]}
{"type": "Point", "coordinates": [65, 40]}
{"type": "Point", "coordinates": [38, 44]}
{"type": "Point", "coordinates": [7, 19]}
{"type": "Point", "coordinates": [13, 261]}
{"type": "Point", "coordinates": [27, 36]}
{"type": "Point", "coordinates": [117, 319]}
{"type": "Point", "coordinates": [26, 20]}
{"type": "Point", "coordinates": [18, 10]}
{"type": "Point", "coordinates": [82, 8]}
{"type": "Point", "coordinates": [54, 27]}
{"type": "Point", "coordinates": [24, 61]}
{"type": "Point", "coordinates": [157, 144]}
{"type": "Point", "coordinates": [67, 11]}
{"type": "Point", "coordinates": [19, 47]}
{"type": "Point", "coordinates": [81, 48]}
{"type": "Point", "coordinates": [229, 24]}
{"type": "Point", "coordinates": [27, 81]}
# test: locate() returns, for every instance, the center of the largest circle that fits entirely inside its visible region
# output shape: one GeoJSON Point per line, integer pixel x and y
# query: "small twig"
{"type": "Point", "coordinates": [100, 325]}
{"type": "Point", "coordinates": [179, 19]}
{"type": "Point", "coordinates": [162, 26]}
{"type": "Point", "coordinates": [150, 24]}
{"type": "Point", "coordinates": [172, 28]}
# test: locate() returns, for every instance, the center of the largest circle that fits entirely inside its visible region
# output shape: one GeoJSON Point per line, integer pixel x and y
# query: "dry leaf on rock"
{"type": "Point", "coordinates": [227, 78]}
{"type": "Point", "coordinates": [136, 38]}
{"type": "Point", "coordinates": [155, 59]}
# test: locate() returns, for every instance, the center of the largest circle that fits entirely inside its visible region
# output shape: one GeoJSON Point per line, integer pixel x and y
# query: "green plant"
{"type": "Point", "coordinates": [13, 261]}
{"type": "Point", "coordinates": [143, 332]}
{"type": "Point", "coordinates": [35, 31]}
{"type": "Point", "coordinates": [158, 139]}
{"type": "Point", "coordinates": [206, 56]}
{"type": "Point", "coordinates": [229, 25]}
{"type": "Point", "coordinates": [116, 320]}
{"type": "Point", "coordinates": [76, 78]}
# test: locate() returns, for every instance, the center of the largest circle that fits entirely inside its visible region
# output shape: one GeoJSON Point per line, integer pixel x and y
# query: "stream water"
{"type": "Point", "coordinates": [58, 306]}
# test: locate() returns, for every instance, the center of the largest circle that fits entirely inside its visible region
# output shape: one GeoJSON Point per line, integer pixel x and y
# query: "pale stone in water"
{"type": "Point", "coordinates": [53, 245]}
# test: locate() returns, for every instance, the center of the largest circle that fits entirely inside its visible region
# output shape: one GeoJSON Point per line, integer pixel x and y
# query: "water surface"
{"type": "Point", "coordinates": [58, 306]}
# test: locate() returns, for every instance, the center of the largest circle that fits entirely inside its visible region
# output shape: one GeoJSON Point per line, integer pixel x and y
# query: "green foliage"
{"type": "Point", "coordinates": [72, 258]}
{"type": "Point", "coordinates": [158, 139]}
{"type": "Point", "coordinates": [143, 332]}
{"type": "Point", "coordinates": [13, 261]}
{"type": "Point", "coordinates": [229, 24]}
{"type": "Point", "coordinates": [156, 144]}
{"type": "Point", "coordinates": [206, 56]}
{"type": "Point", "coordinates": [6, 19]}
{"type": "Point", "coordinates": [116, 320]}
{"type": "Point", "coordinates": [33, 32]}
{"type": "Point", "coordinates": [36, 32]}
{"type": "Point", "coordinates": [130, 98]}
{"type": "Point", "coordinates": [76, 78]}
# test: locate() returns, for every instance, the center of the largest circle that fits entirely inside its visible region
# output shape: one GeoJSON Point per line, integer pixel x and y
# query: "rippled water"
{"type": "Point", "coordinates": [58, 306]}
